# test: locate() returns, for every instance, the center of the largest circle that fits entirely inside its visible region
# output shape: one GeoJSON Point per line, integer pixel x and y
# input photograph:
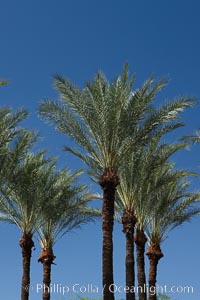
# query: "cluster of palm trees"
{"type": "Point", "coordinates": [119, 135]}
{"type": "Point", "coordinates": [40, 200]}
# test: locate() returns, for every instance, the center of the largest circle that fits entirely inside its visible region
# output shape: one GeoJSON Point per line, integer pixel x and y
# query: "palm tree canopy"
{"type": "Point", "coordinates": [173, 205]}
{"type": "Point", "coordinates": [137, 178]}
{"type": "Point", "coordinates": [66, 209]}
{"type": "Point", "coordinates": [24, 186]}
{"type": "Point", "coordinates": [108, 120]}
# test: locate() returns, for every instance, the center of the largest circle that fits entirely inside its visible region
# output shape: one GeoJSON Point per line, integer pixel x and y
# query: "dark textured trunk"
{"type": "Point", "coordinates": [46, 258]}
{"type": "Point", "coordinates": [154, 254]}
{"type": "Point", "coordinates": [140, 240]}
{"type": "Point", "coordinates": [108, 181]}
{"type": "Point", "coordinates": [130, 265]}
{"type": "Point", "coordinates": [128, 221]}
{"type": "Point", "coordinates": [26, 243]}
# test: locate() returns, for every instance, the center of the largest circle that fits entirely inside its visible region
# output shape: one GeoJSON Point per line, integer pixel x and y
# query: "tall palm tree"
{"type": "Point", "coordinates": [157, 167]}
{"type": "Point", "coordinates": [21, 199]}
{"type": "Point", "coordinates": [66, 210]}
{"type": "Point", "coordinates": [173, 205]}
{"type": "Point", "coordinates": [133, 203]}
{"type": "Point", "coordinates": [14, 142]}
{"type": "Point", "coordinates": [107, 121]}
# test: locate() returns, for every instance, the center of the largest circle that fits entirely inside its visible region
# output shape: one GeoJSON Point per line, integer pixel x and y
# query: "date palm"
{"type": "Point", "coordinates": [134, 204]}
{"type": "Point", "coordinates": [107, 121]}
{"type": "Point", "coordinates": [149, 169]}
{"type": "Point", "coordinates": [173, 205]}
{"type": "Point", "coordinates": [21, 197]}
{"type": "Point", "coordinates": [66, 210]}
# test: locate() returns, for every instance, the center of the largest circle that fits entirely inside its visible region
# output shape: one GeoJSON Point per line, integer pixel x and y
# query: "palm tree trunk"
{"type": "Point", "coordinates": [140, 240]}
{"type": "Point", "coordinates": [26, 243]}
{"type": "Point", "coordinates": [128, 222]}
{"type": "Point", "coordinates": [108, 181]}
{"type": "Point", "coordinates": [46, 258]}
{"type": "Point", "coordinates": [154, 254]}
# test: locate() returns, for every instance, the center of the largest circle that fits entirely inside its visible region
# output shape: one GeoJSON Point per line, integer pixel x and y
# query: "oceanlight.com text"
{"type": "Point", "coordinates": [160, 289]}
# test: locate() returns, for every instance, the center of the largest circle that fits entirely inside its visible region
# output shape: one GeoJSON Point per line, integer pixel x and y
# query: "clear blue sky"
{"type": "Point", "coordinates": [76, 38]}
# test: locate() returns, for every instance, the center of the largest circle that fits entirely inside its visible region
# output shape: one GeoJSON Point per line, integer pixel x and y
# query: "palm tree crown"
{"type": "Point", "coordinates": [23, 192]}
{"type": "Point", "coordinates": [108, 119]}
{"type": "Point", "coordinates": [173, 205]}
{"type": "Point", "coordinates": [66, 208]}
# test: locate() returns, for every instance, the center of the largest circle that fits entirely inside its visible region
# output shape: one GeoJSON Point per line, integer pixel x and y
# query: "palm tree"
{"type": "Point", "coordinates": [133, 203]}
{"type": "Point", "coordinates": [21, 198]}
{"type": "Point", "coordinates": [151, 167]}
{"type": "Point", "coordinates": [66, 210]}
{"type": "Point", "coordinates": [125, 205]}
{"type": "Point", "coordinates": [173, 205]}
{"type": "Point", "coordinates": [107, 121]}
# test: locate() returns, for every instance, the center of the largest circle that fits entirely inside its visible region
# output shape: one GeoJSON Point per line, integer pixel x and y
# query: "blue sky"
{"type": "Point", "coordinates": [77, 38]}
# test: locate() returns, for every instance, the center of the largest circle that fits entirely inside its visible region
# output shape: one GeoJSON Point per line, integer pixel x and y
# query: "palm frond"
{"type": "Point", "coordinates": [66, 207]}
{"type": "Point", "coordinates": [192, 139]}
